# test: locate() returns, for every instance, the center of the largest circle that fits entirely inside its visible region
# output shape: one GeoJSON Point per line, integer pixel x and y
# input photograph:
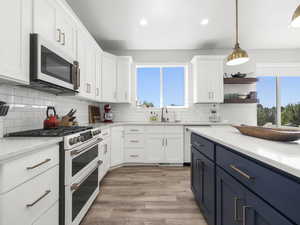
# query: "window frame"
{"type": "Point", "coordinates": [161, 66]}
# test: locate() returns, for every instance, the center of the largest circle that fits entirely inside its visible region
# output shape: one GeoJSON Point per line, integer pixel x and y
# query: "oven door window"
{"type": "Point", "coordinates": [81, 161]}
{"type": "Point", "coordinates": [55, 66]}
{"type": "Point", "coordinates": [84, 192]}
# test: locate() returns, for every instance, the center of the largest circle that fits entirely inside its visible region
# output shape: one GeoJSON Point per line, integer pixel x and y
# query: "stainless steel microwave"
{"type": "Point", "coordinates": [52, 70]}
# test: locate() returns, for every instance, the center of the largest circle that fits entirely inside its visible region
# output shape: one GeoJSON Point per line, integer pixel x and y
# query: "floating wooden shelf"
{"type": "Point", "coordinates": [240, 80]}
{"type": "Point", "coordinates": [240, 101]}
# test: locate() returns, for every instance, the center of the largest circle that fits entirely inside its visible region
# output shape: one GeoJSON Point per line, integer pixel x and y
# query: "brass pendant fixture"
{"type": "Point", "coordinates": [296, 18]}
{"type": "Point", "coordinates": [238, 56]}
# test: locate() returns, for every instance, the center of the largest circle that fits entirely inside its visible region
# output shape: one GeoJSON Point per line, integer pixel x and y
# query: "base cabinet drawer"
{"type": "Point", "coordinates": [51, 217]}
{"type": "Point", "coordinates": [18, 171]}
{"type": "Point", "coordinates": [203, 145]}
{"type": "Point", "coordinates": [26, 203]}
{"type": "Point", "coordinates": [236, 205]}
{"type": "Point", "coordinates": [134, 155]}
{"type": "Point", "coordinates": [134, 140]}
{"type": "Point", "coordinates": [280, 191]}
{"type": "Point", "coordinates": [134, 130]}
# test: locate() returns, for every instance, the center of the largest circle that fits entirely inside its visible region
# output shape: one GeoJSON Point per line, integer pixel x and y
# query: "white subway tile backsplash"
{"type": "Point", "coordinates": [28, 108]}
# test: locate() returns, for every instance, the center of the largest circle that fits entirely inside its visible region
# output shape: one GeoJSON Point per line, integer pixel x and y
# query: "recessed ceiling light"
{"type": "Point", "coordinates": [143, 22]}
{"type": "Point", "coordinates": [204, 22]}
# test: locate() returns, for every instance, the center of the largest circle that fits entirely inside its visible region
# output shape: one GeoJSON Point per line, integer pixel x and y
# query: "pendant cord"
{"type": "Point", "coordinates": [237, 21]}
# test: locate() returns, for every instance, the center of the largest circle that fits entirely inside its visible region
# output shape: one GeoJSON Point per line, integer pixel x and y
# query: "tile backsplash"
{"type": "Point", "coordinates": [28, 108]}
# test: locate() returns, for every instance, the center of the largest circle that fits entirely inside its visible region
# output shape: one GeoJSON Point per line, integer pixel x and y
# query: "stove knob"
{"type": "Point", "coordinates": [82, 139]}
{"type": "Point", "coordinates": [72, 141]}
{"type": "Point", "coordinates": [78, 139]}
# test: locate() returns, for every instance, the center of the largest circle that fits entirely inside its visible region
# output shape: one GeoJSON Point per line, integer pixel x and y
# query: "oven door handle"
{"type": "Point", "coordinates": [76, 152]}
{"type": "Point", "coordinates": [75, 186]}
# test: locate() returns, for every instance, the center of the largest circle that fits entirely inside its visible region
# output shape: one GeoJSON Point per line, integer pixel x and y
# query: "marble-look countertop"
{"type": "Point", "coordinates": [189, 123]}
{"type": "Point", "coordinates": [11, 147]}
{"type": "Point", "coordinates": [284, 156]}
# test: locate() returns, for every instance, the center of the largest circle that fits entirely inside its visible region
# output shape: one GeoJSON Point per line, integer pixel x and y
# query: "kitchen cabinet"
{"type": "Point", "coordinates": [164, 144]}
{"type": "Point", "coordinates": [208, 79]}
{"type": "Point", "coordinates": [98, 78]}
{"type": "Point", "coordinates": [154, 148]}
{"type": "Point", "coordinates": [187, 145]}
{"type": "Point", "coordinates": [109, 77]}
{"type": "Point", "coordinates": [124, 64]}
{"type": "Point", "coordinates": [50, 217]}
{"type": "Point", "coordinates": [203, 184]}
{"type": "Point", "coordinates": [55, 24]}
{"type": "Point", "coordinates": [117, 146]}
{"type": "Point", "coordinates": [236, 205]}
{"type": "Point", "coordinates": [15, 22]}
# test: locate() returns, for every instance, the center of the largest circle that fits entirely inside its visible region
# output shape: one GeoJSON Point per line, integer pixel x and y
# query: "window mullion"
{"type": "Point", "coordinates": [161, 88]}
{"type": "Point", "coordinates": [278, 101]}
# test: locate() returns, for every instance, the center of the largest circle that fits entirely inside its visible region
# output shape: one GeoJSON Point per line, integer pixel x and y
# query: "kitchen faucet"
{"type": "Point", "coordinates": [163, 119]}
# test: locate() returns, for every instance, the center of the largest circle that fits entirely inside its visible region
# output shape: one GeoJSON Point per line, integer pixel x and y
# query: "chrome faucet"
{"type": "Point", "coordinates": [163, 119]}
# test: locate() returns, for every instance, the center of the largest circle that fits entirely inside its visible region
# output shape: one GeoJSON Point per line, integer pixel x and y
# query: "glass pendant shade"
{"type": "Point", "coordinates": [296, 18]}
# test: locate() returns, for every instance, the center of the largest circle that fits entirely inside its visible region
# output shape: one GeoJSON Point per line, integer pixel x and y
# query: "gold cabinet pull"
{"type": "Point", "coordinates": [236, 217]}
{"type": "Point", "coordinates": [240, 172]}
{"type": "Point", "coordinates": [39, 199]}
{"type": "Point", "coordinates": [245, 214]}
{"type": "Point", "coordinates": [38, 165]}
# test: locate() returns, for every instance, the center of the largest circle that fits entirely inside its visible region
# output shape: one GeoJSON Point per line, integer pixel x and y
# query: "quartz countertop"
{"type": "Point", "coordinates": [11, 147]}
{"type": "Point", "coordinates": [283, 156]}
{"type": "Point", "coordinates": [145, 123]}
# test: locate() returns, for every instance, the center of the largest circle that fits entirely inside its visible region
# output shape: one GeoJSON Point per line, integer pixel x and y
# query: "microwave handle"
{"type": "Point", "coordinates": [76, 75]}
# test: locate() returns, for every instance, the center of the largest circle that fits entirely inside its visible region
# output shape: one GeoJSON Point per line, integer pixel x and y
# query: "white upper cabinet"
{"type": "Point", "coordinates": [208, 79]}
{"type": "Point", "coordinates": [109, 77]}
{"type": "Point", "coordinates": [124, 64]}
{"type": "Point", "coordinates": [15, 23]}
{"type": "Point", "coordinates": [55, 24]}
{"type": "Point", "coordinates": [98, 78]}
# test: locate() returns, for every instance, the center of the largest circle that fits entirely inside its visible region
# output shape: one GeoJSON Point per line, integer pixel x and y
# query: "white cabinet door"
{"type": "Point", "coordinates": [91, 70]}
{"type": "Point", "coordinates": [173, 149]}
{"type": "Point", "coordinates": [98, 78]}
{"type": "Point", "coordinates": [51, 217]}
{"type": "Point", "coordinates": [208, 79]}
{"type": "Point", "coordinates": [187, 145]}
{"type": "Point", "coordinates": [117, 146]}
{"type": "Point", "coordinates": [109, 73]}
{"type": "Point", "coordinates": [44, 20]}
{"type": "Point", "coordinates": [15, 23]}
{"type": "Point", "coordinates": [67, 27]}
{"type": "Point", "coordinates": [155, 148]}
{"type": "Point", "coordinates": [123, 79]}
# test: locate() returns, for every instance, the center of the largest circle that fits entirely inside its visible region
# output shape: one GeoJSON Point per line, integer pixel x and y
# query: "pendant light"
{"type": "Point", "coordinates": [296, 18]}
{"type": "Point", "coordinates": [238, 56]}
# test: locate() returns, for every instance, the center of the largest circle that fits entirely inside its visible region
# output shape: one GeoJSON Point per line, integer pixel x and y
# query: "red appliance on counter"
{"type": "Point", "coordinates": [51, 121]}
{"type": "Point", "coordinates": [108, 116]}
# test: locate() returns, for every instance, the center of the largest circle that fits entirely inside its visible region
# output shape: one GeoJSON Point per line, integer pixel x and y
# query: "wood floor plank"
{"type": "Point", "coordinates": [145, 196]}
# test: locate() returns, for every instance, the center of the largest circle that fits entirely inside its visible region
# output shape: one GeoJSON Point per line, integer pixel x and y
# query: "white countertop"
{"type": "Point", "coordinates": [284, 156]}
{"type": "Point", "coordinates": [188, 123]}
{"type": "Point", "coordinates": [15, 146]}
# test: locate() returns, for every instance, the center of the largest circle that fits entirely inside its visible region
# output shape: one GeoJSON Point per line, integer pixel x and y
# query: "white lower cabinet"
{"type": "Point", "coordinates": [154, 148]}
{"type": "Point", "coordinates": [117, 146]}
{"type": "Point", "coordinates": [30, 200]}
{"type": "Point", "coordinates": [173, 149]}
{"type": "Point", "coordinates": [51, 217]}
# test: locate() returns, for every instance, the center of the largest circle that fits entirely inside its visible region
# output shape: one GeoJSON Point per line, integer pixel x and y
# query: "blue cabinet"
{"type": "Point", "coordinates": [236, 205]}
{"type": "Point", "coordinates": [203, 184]}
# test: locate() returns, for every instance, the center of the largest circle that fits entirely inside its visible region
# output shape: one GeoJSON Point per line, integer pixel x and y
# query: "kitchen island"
{"type": "Point", "coordinates": [238, 179]}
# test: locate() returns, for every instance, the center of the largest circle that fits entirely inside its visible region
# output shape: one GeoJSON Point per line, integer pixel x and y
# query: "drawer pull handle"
{"type": "Point", "coordinates": [104, 134]}
{"type": "Point", "coordinates": [240, 172]}
{"type": "Point", "coordinates": [38, 165]}
{"type": "Point", "coordinates": [39, 199]}
{"type": "Point", "coordinates": [134, 141]}
{"type": "Point", "coordinates": [134, 130]}
{"type": "Point", "coordinates": [245, 214]}
{"type": "Point", "coordinates": [236, 217]}
{"type": "Point", "coordinates": [134, 156]}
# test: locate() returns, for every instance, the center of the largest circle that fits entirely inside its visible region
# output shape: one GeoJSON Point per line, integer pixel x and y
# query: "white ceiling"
{"type": "Point", "coordinates": [176, 24]}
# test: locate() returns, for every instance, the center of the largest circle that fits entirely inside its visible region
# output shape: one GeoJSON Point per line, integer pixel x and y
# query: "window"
{"type": "Point", "coordinates": [279, 101]}
{"type": "Point", "coordinates": [161, 86]}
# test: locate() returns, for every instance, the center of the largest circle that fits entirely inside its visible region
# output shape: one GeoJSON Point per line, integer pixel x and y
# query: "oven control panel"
{"type": "Point", "coordinates": [77, 139]}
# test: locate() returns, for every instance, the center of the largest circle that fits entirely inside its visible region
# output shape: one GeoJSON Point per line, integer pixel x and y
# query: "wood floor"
{"type": "Point", "coordinates": [145, 196]}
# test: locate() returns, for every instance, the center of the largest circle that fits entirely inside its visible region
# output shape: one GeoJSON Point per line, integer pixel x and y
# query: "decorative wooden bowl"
{"type": "Point", "coordinates": [273, 134]}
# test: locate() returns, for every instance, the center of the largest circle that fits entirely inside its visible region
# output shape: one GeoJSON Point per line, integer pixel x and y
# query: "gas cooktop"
{"type": "Point", "coordinates": [55, 132]}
